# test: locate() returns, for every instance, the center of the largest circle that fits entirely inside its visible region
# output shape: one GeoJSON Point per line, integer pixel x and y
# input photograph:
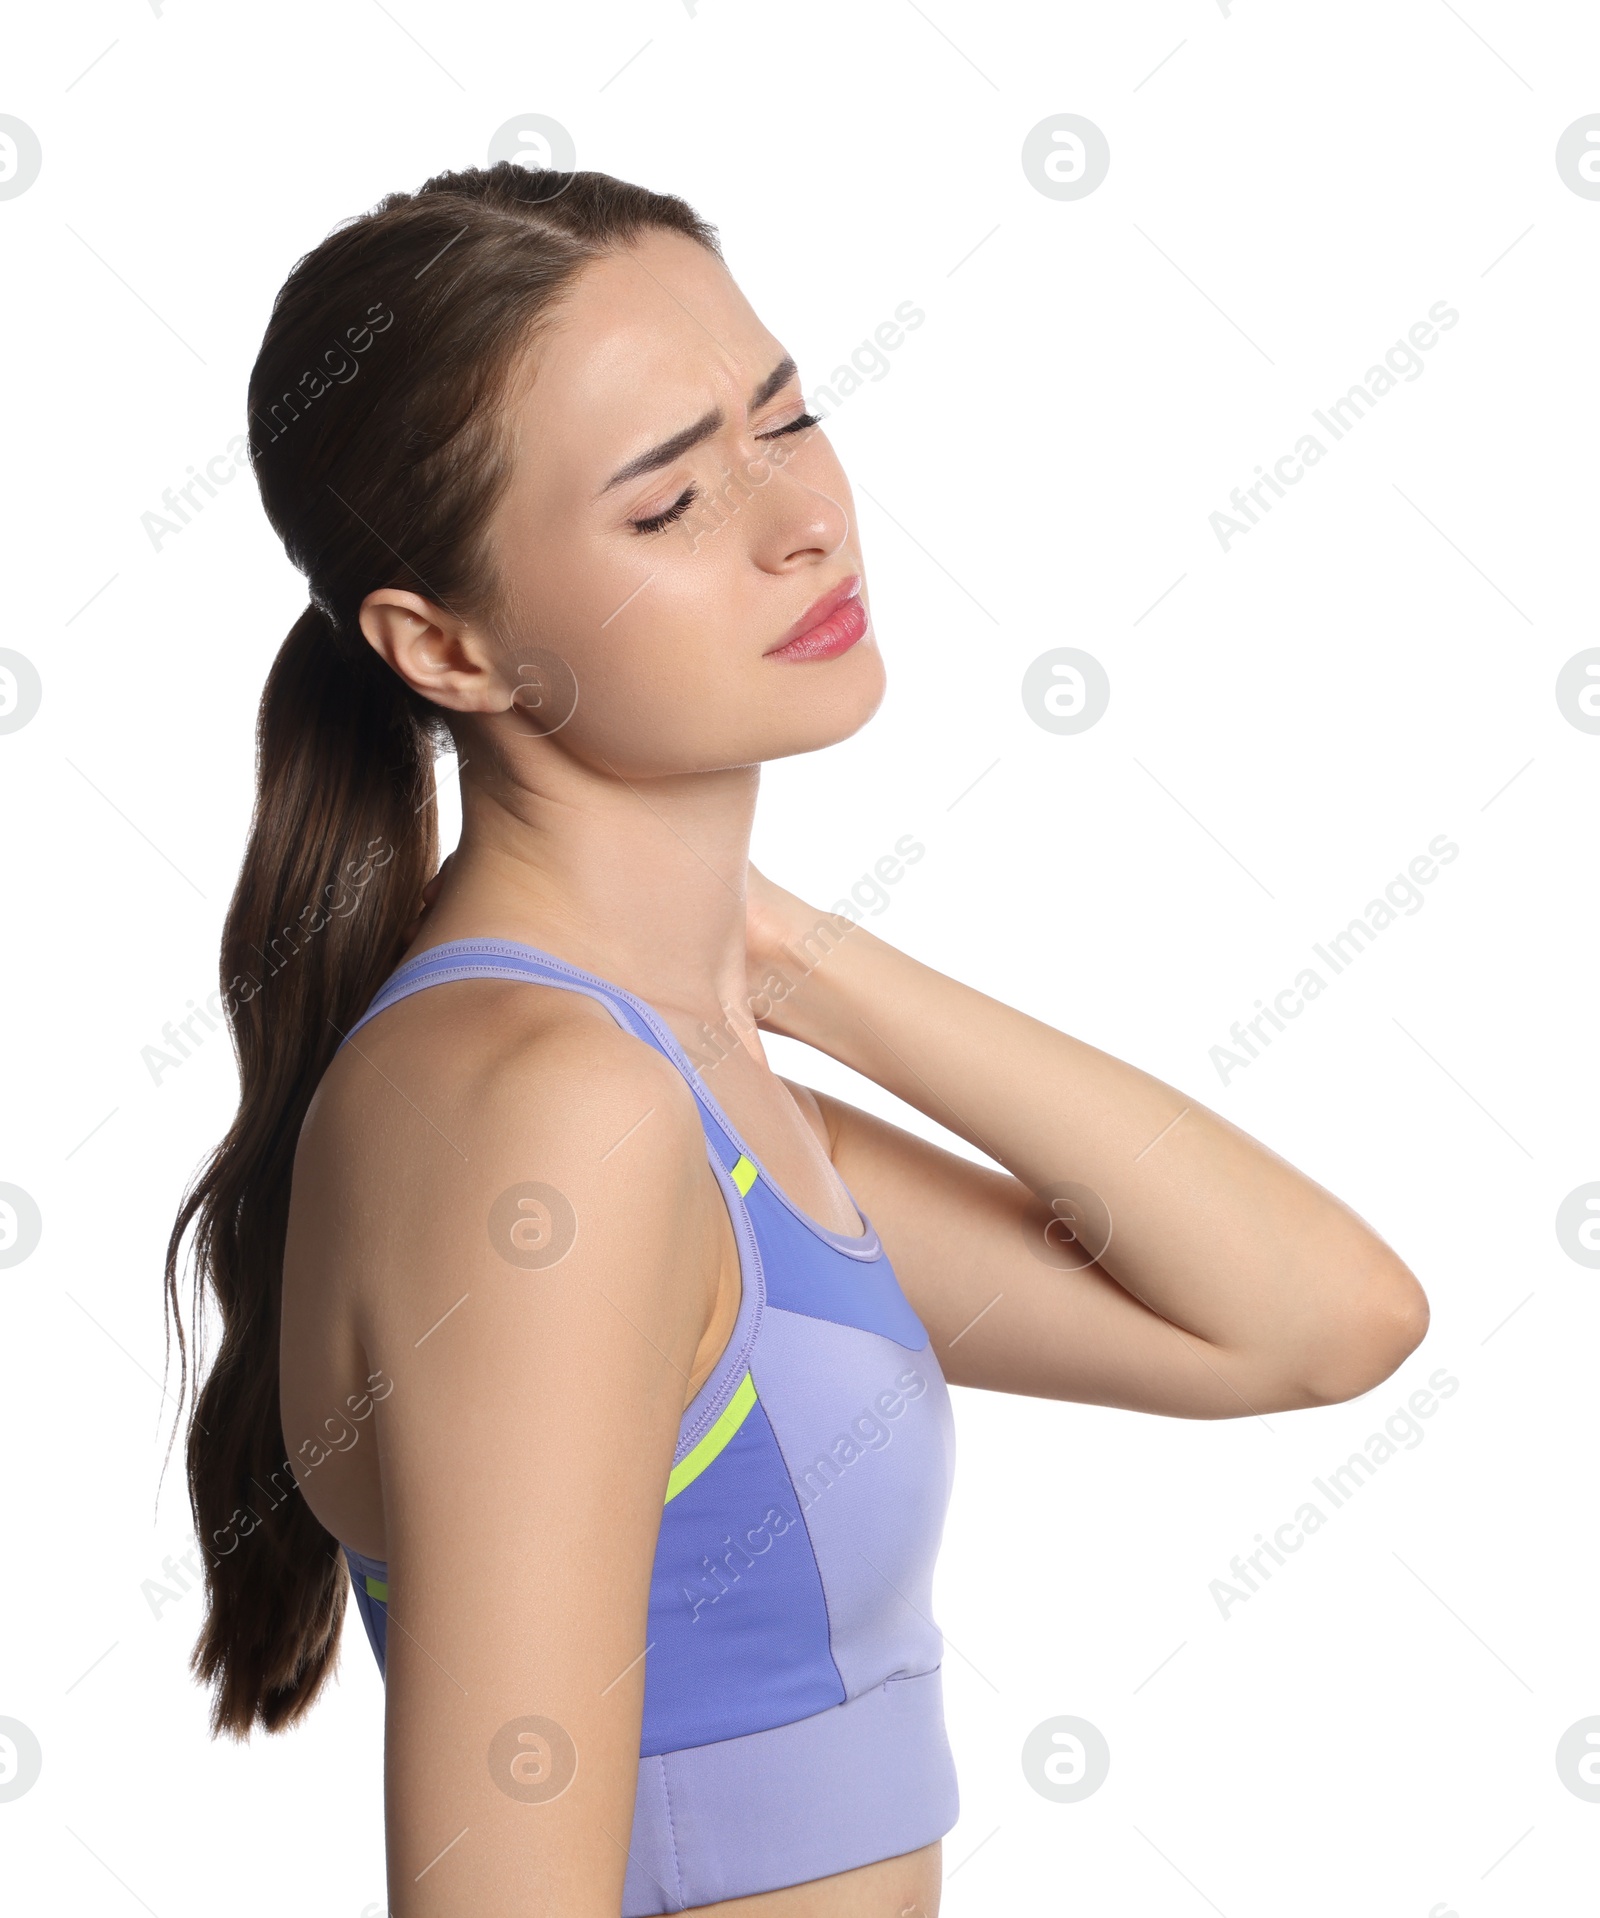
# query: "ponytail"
{"type": "Point", "coordinates": [381, 443]}
{"type": "Point", "coordinates": [344, 837]}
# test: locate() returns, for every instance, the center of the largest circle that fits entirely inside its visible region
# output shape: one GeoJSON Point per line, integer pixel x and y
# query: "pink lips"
{"type": "Point", "coordinates": [828, 627]}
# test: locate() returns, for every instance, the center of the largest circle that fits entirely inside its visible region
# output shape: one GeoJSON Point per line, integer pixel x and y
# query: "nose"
{"type": "Point", "coordinates": [794, 518]}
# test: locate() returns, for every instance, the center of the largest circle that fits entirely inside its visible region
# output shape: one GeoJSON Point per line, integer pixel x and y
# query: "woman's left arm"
{"type": "Point", "coordinates": [1230, 1283]}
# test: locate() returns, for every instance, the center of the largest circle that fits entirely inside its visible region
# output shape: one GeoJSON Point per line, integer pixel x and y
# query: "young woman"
{"type": "Point", "coordinates": [608, 1366]}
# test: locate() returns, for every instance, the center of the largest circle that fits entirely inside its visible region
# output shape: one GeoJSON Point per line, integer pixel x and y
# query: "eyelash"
{"type": "Point", "coordinates": [659, 522]}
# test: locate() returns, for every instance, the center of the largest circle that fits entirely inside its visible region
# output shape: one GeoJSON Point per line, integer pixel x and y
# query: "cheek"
{"type": "Point", "coordinates": [663, 672]}
{"type": "Point", "coordinates": [658, 674]}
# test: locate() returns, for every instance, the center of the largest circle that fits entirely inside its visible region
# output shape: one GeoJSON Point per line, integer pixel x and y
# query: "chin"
{"type": "Point", "coordinates": [831, 715]}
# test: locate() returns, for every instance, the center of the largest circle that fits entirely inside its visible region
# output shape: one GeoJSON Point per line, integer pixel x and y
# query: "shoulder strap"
{"type": "Point", "coordinates": [510, 959]}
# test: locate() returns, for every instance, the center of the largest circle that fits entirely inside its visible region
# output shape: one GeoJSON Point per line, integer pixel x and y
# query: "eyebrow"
{"type": "Point", "coordinates": [703, 429]}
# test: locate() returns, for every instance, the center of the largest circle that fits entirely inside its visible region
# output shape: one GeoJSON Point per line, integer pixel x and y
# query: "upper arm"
{"type": "Point", "coordinates": [538, 1311]}
{"type": "Point", "coordinates": [1010, 1309]}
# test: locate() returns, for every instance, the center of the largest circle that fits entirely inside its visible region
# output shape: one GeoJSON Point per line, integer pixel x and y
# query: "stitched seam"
{"type": "Point", "coordinates": [672, 1833]}
{"type": "Point", "coordinates": [866, 1248]}
{"type": "Point", "coordinates": [691, 1435]}
{"type": "Point", "coordinates": [721, 1435]}
{"type": "Point", "coordinates": [445, 975]}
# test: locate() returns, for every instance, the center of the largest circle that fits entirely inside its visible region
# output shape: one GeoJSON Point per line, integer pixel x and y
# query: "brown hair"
{"type": "Point", "coordinates": [377, 438]}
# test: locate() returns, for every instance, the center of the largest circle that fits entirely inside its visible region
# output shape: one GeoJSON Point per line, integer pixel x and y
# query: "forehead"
{"type": "Point", "coordinates": [644, 343]}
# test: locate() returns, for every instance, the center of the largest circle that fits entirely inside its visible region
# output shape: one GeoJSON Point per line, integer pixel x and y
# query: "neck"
{"type": "Point", "coordinates": [640, 881]}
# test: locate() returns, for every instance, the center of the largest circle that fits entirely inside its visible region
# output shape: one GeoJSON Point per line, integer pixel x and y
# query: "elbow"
{"type": "Point", "coordinates": [1373, 1335]}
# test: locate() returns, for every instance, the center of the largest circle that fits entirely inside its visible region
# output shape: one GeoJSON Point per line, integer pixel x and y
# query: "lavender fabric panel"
{"type": "Point", "coordinates": [868, 1437]}
{"type": "Point", "coordinates": [654, 1882]}
{"type": "Point", "coordinates": [870, 1779]}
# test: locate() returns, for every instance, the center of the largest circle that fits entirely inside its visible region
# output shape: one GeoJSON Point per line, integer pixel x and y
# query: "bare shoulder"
{"type": "Point", "coordinates": [442, 1094]}
{"type": "Point", "coordinates": [515, 1173]}
{"type": "Point", "coordinates": [441, 1050]}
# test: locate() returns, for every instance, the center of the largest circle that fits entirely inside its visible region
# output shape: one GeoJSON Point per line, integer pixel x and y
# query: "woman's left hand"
{"type": "Point", "coordinates": [430, 892]}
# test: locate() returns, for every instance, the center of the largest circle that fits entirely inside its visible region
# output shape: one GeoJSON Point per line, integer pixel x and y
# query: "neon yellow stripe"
{"type": "Point", "coordinates": [378, 1590]}
{"type": "Point", "coordinates": [744, 1173]}
{"type": "Point", "coordinates": [690, 1468]}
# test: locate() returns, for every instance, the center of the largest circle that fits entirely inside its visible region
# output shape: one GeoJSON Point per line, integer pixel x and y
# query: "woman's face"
{"type": "Point", "coordinates": [662, 533]}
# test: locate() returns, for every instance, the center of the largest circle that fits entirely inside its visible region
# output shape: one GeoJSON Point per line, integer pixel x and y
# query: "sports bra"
{"type": "Point", "coordinates": [793, 1712]}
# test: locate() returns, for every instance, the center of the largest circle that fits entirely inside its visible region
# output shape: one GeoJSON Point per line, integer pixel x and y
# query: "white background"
{"type": "Point", "coordinates": [1292, 723]}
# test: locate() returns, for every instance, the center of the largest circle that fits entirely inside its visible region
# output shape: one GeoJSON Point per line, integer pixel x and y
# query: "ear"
{"type": "Point", "coordinates": [435, 651]}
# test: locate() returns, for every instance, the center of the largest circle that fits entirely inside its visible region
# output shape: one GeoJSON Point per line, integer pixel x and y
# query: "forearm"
{"type": "Point", "coordinates": [1208, 1227]}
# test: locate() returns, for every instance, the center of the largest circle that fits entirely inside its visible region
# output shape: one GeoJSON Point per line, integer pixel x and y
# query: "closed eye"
{"type": "Point", "coordinates": [658, 522]}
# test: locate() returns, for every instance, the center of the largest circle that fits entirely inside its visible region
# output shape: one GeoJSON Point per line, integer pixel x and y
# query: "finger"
{"type": "Point", "coordinates": [430, 891]}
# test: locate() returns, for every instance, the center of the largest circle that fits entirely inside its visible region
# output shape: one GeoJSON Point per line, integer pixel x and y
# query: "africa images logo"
{"type": "Point", "coordinates": [1401, 362]}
